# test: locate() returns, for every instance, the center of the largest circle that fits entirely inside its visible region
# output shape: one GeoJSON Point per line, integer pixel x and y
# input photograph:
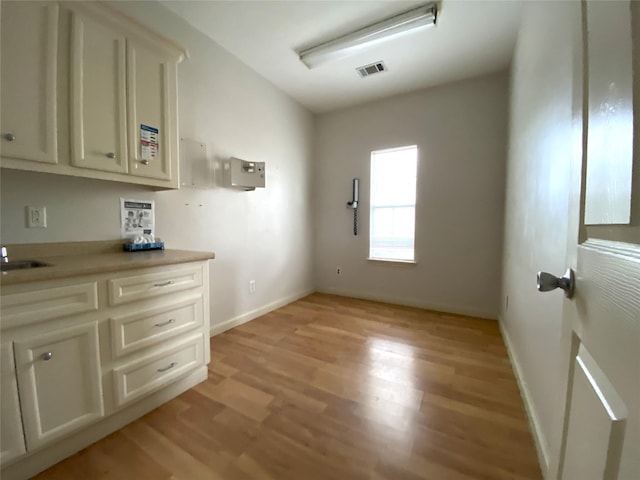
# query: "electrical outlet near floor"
{"type": "Point", "coordinates": [252, 286]}
{"type": "Point", "coordinates": [36, 217]}
{"type": "Point", "coordinates": [338, 271]}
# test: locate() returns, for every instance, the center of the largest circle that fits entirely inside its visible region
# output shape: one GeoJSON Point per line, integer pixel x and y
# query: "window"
{"type": "Point", "coordinates": [393, 204]}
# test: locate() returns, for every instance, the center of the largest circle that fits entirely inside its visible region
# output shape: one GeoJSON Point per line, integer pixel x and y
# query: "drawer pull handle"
{"type": "Point", "coordinates": [168, 322]}
{"type": "Point", "coordinates": [47, 356]}
{"type": "Point", "coordinates": [168, 367]}
{"type": "Point", "coordinates": [163, 284]}
{"type": "Point", "coordinates": [9, 137]}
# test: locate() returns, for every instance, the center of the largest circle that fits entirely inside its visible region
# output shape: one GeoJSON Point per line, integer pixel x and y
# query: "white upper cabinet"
{"type": "Point", "coordinates": [123, 95]}
{"type": "Point", "coordinates": [116, 79]}
{"type": "Point", "coordinates": [98, 97]}
{"type": "Point", "coordinates": [151, 100]}
{"type": "Point", "coordinates": [29, 38]}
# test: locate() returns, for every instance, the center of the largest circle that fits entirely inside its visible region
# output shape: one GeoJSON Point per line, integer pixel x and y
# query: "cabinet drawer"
{"type": "Point", "coordinates": [144, 375]}
{"type": "Point", "coordinates": [138, 287]}
{"type": "Point", "coordinates": [20, 309]}
{"type": "Point", "coordinates": [147, 327]}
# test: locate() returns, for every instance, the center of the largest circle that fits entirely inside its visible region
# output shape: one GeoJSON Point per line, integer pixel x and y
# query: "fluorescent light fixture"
{"type": "Point", "coordinates": [352, 43]}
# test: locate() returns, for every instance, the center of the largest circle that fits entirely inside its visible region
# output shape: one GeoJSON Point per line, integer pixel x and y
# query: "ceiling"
{"type": "Point", "coordinates": [471, 38]}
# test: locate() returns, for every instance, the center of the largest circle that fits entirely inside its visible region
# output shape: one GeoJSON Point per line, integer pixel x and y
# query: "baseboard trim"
{"type": "Point", "coordinates": [454, 309]}
{"type": "Point", "coordinates": [253, 314]}
{"type": "Point", "coordinates": [525, 394]}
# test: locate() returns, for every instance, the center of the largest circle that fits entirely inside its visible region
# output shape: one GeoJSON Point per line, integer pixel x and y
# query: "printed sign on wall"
{"type": "Point", "coordinates": [137, 217]}
{"type": "Point", "coordinates": [149, 142]}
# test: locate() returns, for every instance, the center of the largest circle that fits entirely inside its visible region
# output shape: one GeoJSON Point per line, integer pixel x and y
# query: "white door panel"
{"type": "Point", "coordinates": [601, 324]}
{"type": "Point", "coordinates": [29, 81]}
{"type": "Point", "coordinates": [610, 118]}
{"type": "Point", "coordinates": [60, 382]}
{"type": "Point", "coordinates": [596, 426]}
{"type": "Point", "coordinates": [98, 95]}
{"type": "Point", "coordinates": [150, 99]}
{"type": "Point", "coordinates": [12, 436]}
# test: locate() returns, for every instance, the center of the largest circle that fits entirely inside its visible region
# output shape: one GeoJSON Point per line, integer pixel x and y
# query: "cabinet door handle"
{"type": "Point", "coordinates": [46, 356]}
{"type": "Point", "coordinates": [110, 155]}
{"type": "Point", "coordinates": [10, 137]}
{"type": "Point", "coordinates": [163, 284]}
{"type": "Point", "coordinates": [144, 162]}
{"type": "Point", "coordinates": [164, 324]}
{"type": "Point", "coordinates": [168, 367]}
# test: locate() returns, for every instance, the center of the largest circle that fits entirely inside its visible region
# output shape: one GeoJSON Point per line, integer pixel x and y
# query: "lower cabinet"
{"type": "Point", "coordinates": [12, 441]}
{"type": "Point", "coordinates": [78, 353]}
{"type": "Point", "coordinates": [60, 382]}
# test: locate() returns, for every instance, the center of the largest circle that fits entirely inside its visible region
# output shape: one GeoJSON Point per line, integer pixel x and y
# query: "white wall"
{"type": "Point", "coordinates": [461, 132]}
{"type": "Point", "coordinates": [537, 209]}
{"type": "Point", "coordinates": [264, 235]}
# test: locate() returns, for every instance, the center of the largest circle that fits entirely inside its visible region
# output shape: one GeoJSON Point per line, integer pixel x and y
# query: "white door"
{"type": "Point", "coordinates": [601, 429]}
{"type": "Point", "coordinates": [59, 382]}
{"type": "Point", "coordinates": [151, 101]}
{"type": "Point", "coordinates": [98, 94]}
{"type": "Point", "coordinates": [12, 437]}
{"type": "Point", "coordinates": [29, 59]}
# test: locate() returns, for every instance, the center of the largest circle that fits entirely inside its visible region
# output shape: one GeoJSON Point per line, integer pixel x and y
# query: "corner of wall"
{"type": "Point", "coordinates": [219, 328]}
{"type": "Point", "coordinates": [534, 425]}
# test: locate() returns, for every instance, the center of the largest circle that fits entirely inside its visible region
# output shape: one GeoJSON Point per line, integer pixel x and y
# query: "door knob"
{"type": "Point", "coordinates": [9, 137]}
{"type": "Point", "coordinates": [567, 282]}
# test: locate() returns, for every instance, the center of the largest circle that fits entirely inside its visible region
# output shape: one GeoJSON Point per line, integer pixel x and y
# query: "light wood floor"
{"type": "Point", "coordinates": [334, 388]}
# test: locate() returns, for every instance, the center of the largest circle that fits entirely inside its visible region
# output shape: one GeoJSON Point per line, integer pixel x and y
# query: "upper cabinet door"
{"type": "Point", "coordinates": [98, 94]}
{"type": "Point", "coordinates": [29, 57]}
{"type": "Point", "coordinates": [152, 104]}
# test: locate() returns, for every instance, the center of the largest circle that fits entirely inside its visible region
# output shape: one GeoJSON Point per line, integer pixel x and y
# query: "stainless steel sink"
{"type": "Point", "coordinates": [21, 265]}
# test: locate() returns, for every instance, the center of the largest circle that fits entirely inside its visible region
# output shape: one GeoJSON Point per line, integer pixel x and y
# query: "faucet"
{"type": "Point", "coordinates": [5, 257]}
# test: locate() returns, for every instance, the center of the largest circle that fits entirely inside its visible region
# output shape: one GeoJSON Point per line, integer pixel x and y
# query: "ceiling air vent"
{"type": "Point", "coordinates": [372, 69]}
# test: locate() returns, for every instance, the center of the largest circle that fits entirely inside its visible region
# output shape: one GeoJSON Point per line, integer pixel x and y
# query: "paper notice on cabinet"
{"type": "Point", "coordinates": [149, 142]}
{"type": "Point", "coordinates": [137, 217]}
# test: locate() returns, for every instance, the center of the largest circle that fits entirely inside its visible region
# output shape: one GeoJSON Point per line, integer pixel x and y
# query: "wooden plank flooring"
{"type": "Point", "coordinates": [334, 388]}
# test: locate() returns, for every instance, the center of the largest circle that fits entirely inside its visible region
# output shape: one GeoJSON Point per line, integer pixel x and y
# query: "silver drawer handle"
{"type": "Point", "coordinates": [10, 137]}
{"type": "Point", "coordinates": [110, 155]}
{"type": "Point", "coordinates": [168, 367]}
{"type": "Point", "coordinates": [163, 284]}
{"type": "Point", "coordinates": [164, 324]}
{"type": "Point", "coordinates": [144, 162]}
{"type": "Point", "coordinates": [47, 356]}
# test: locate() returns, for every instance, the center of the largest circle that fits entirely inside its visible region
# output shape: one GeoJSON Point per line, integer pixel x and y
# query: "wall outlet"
{"type": "Point", "coordinates": [252, 286]}
{"type": "Point", "coordinates": [36, 217]}
{"type": "Point", "coordinates": [338, 271]}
